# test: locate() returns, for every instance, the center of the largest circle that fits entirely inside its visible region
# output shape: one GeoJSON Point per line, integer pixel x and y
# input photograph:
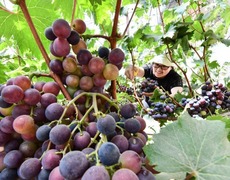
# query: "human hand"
{"type": "Point", "coordinates": [131, 72]}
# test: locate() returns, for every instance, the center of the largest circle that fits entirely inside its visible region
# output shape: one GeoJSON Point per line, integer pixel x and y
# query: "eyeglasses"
{"type": "Point", "coordinates": [163, 67]}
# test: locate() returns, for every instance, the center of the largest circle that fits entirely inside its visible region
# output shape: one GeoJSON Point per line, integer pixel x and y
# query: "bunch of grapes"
{"type": "Point", "coordinates": [148, 85]}
{"type": "Point", "coordinates": [214, 96]}
{"type": "Point", "coordinates": [163, 109]}
{"type": "Point", "coordinates": [79, 69]}
{"type": "Point", "coordinates": [89, 137]}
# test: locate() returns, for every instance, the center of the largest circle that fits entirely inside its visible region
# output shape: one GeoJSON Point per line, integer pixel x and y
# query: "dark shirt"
{"type": "Point", "coordinates": [171, 80]}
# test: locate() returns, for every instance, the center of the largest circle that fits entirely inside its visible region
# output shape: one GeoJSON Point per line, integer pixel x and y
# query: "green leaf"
{"type": "Point", "coordinates": [197, 147]}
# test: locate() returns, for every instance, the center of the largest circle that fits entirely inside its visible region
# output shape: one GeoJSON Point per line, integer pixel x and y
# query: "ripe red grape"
{"type": "Point", "coordinates": [24, 124]}
{"type": "Point", "coordinates": [116, 56]}
{"type": "Point", "coordinates": [22, 81]}
{"type": "Point", "coordinates": [131, 160]}
{"type": "Point", "coordinates": [124, 173]}
{"type": "Point", "coordinates": [61, 28]}
{"type": "Point", "coordinates": [12, 94]}
{"type": "Point", "coordinates": [51, 159]}
{"type": "Point", "coordinates": [96, 65]}
{"type": "Point", "coordinates": [61, 47]}
{"type": "Point", "coordinates": [96, 173]}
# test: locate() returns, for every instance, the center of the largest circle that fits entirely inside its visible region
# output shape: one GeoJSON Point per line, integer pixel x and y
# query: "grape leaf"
{"type": "Point", "coordinates": [197, 147]}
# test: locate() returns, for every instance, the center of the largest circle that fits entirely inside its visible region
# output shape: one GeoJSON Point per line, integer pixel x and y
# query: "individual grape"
{"type": "Point", "coordinates": [99, 80]}
{"type": "Point", "coordinates": [142, 122]}
{"type": "Point", "coordinates": [9, 174]}
{"type": "Point", "coordinates": [42, 132]}
{"type": "Point", "coordinates": [47, 99]}
{"type": "Point", "coordinates": [61, 28]}
{"type": "Point", "coordinates": [39, 85]}
{"type": "Point", "coordinates": [110, 72]}
{"type": "Point", "coordinates": [106, 124]}
{"type": "Point", "coordinates": [85, 70]}
{"type": "Point", "coordinates": [54, 111]}
{"type": "Point", "coordinates": [72, 80]}
{"type": "Point", "coordinates": [108, 154]}
{"type": "Point", "coordinates": [31, 137]}
{"type": "Point", "coordinates": [69, 64]}
{"type": "Point", "coordinates": [70, 161]}
{"type": "Point", "coordinates": [4, 104]}
{"type": "Point", "coordinates": [60, 134]}
{"type": "Point", "coordinates": [51, 159]}
{"type": "Point", "coordinates": [47, 144]}
{"type": "Point", "coordinates": [124, 174]}
{"type": "Point", "coordinates": [30, 168]}
{"type": "Point", "coordinates": [145, 174]}
{"type": "Point", "coordinates": [142, 135]}
{"type": "Point", "coordinates": [115, 116]}
{"type": "Point", "coordinates": [52, 50]}
{"type": "Point", "coordinates": [121, 142]}
{"type": "Point", "coordinates": [82, 98]}
{"type": "Point", "coordinates": [86, 83]}
{"type": "Point", "coordinates": [39, 115]}
{"type": "Point", "coordinates": [21, 109]}
{"type": "Point", "coordinates": [61, 47]}
{"type": "Point", "coordinates": [55, 174]}
{"type": "Point", "coordinates": [12, 94]}
{"type": "Point", "coordinates": [49, 34]}
{"type": "Point", "coordinates": [96, 173]}
{"type": "Point", "coordinates": [32, 96]}
{"type": "Point", "coordinates": [103, 52]}
{"type": "Point", "coordinates": [81, 140]}
{"type": "Point", "coordinates": [131, 160]}
{"type": "Point", "coordinates": [128, 110]}
{"type": "Point", "coordinates": [24, 124]}
{"type": "Point", "coordinates": [13, 144]}
{"type": "Point", "coordinates": [43, 174]}
{"type": "Point", "coordinates": [96, 65]}
{"type": "Point", "coordinates": [51, 87]}
{"type": "Point", "coordinates": [88, 150]}
{"type": "Point", "coordinates": [56, 66]}
{"type": "Point", "coordinates": [91, 128]}
{"type": "Point", "coordinates": [28, 148]}
{"type": "Point", "coordinates": [132, 125]}
{"type": "Point", "coordinates": [13, 159]}
{"type": "Point", "coordinates": [23, 82]}
{"type": "Point", "coordinates": [4, 138]}
{"type": "Point", "coordinates": [81, 45]}
{"type": "Point", "coordinates": [136, 144]}
{"type": "Point", "coordinates": [79, 26]}
{"type": "Point", "coordinates": [74, 38]}
{"type": "Point", "coordinates": [6, 124]}
{"type": "Point", "coordinates": [116, 56]}
{"type": "Point", "coordinates": [84, 56]}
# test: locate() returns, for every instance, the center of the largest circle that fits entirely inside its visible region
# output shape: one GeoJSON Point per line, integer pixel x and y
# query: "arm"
{"type": "Point", "coordinates": [134, 71]}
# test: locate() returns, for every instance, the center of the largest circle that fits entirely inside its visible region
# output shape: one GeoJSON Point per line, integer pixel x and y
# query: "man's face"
{"type": "Point", "coordinates": [160, 70]}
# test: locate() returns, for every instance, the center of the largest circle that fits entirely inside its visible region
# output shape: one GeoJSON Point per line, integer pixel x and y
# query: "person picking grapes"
{"type": "Point", "coordinates": [162, 71]}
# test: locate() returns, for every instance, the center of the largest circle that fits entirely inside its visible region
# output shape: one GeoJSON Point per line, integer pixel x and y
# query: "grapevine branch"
{"type": "Point", "coordinates": [126, 29]}
{"type": "Point", "coordinates": [25, 11]}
